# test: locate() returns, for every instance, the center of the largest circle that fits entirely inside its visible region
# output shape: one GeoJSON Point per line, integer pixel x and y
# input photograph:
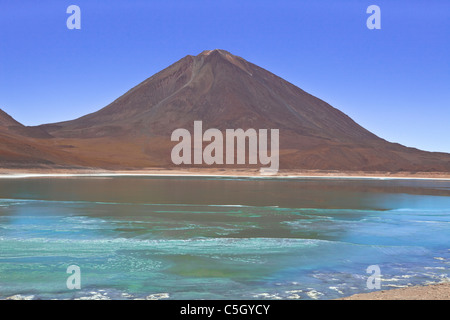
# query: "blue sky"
{"type": "Point", "coordinates": [395, 81]}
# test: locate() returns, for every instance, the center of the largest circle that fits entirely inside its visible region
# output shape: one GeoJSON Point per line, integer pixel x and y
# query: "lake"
{"type": "Point", "coordinates": [220, 238]}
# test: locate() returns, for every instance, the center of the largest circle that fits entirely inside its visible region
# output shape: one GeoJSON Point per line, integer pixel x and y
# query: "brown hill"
{"type": "Point", "coordinates": [8, 123]}
{"type": "Point", "coordinates": [29, 147]}
{"type": "Point", "coordinates": [226, 91]}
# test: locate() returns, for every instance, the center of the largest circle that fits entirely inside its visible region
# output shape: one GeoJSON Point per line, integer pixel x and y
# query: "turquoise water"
{"type": "Point", "coordinates": [220, 238]}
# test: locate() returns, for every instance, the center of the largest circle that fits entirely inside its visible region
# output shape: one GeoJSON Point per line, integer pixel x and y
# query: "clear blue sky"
{"type": "Point", "coordinates": [395, 81]}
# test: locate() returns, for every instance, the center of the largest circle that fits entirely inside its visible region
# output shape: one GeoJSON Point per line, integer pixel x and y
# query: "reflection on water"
{"type": "Point", "coordinates": [220, 238]}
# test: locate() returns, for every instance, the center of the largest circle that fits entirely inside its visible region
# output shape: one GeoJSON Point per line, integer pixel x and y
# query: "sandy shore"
{"type": "Point", "coordinates": [55, 172]}
{"type": "Point", "coordinates": [440, 291]}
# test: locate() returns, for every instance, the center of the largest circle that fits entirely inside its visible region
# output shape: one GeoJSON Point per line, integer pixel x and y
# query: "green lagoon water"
{"type": "Point", "coordinates": [220, 238]}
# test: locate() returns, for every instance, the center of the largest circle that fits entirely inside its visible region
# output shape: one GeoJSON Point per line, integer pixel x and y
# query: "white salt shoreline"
{"type": "Point", "coordinates": [200, 175]}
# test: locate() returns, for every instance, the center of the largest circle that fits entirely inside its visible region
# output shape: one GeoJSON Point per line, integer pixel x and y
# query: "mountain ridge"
{"type": "Point", "coordinates": [227, 92]}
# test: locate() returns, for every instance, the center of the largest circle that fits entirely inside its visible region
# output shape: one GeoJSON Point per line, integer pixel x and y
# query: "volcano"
{"type": "Point", "coordinates": [225, 91]}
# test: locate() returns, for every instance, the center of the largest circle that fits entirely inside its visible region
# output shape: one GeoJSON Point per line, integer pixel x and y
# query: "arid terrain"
{"type": "Point", "coordinates": [440, 291]}
{"type": "Point", "coordinates": [224, 91]}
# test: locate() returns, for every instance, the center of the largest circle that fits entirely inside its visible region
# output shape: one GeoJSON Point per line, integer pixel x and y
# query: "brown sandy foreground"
{"type": "Point", "coordinates": [52, 171]}
{"type": "Point", "coordinates": [440, 291]}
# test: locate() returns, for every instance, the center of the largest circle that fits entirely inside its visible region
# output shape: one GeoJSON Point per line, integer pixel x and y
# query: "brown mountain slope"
{"type": "Point", "coordinates": [7, 121]}
{"type": "Point", "coordinates": [226, 91]}
{"type": "Point", "coordinates": [27, 147]}
{"type": "Point", "coordinates": [9, 124]}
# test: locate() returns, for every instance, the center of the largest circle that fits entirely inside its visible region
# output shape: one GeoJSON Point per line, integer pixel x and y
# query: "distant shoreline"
{"type": "Point", "coordinates": [220, 173]}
